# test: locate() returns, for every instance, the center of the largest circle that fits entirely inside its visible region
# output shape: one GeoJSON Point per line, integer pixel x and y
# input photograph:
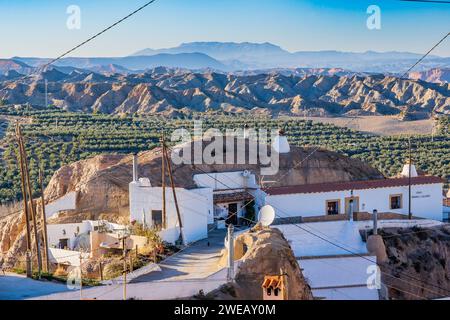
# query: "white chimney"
{"type": "Point", "coordinates": [280, 143]}
{"type": "Point", "coordinates": [135, 168]}
{"type": "Point", "coordinates": [246, 133]}
{"type": "Point", "coordinates": [405, 171]}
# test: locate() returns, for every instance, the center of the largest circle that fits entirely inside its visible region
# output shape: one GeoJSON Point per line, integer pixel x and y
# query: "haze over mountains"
{"type": "Point", "coordinates": [233, 57]}
{"type": "Point", "coordinates": [266, 55]}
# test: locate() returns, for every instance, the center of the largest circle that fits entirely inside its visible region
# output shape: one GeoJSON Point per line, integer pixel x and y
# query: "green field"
{"type": "Point", "coordinates": [55, 138]}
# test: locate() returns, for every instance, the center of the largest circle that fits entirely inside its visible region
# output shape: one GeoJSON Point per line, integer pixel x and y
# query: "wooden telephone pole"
{"type": "Point", "coordinates": [169, 169]}
{"type": "Point", "coordinates": [44, 222]}
{"type": "Point", "coordinates": [124, 256]}
{"type": "Point", "coordinates": [32, 207]}
{"type": "Point", "coordinates": [25, 203]}
{"type": "Point", "coordinates": [409, 179]}
{"type": "Point", "coordinates": [163, 182]}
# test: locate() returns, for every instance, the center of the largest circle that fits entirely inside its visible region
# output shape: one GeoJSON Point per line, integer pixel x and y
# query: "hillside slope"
{"type": "Point", "coordinates": [418, 265]}
{"type": "Point", "coordinates": [168, 92]}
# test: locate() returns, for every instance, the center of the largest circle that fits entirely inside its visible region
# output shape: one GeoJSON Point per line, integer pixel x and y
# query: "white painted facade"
{"type": "Point", "coordinates": [196, 210]}
{"type": "Point", "coordinates": [226, 180]}
{"type": "Point", "coordinates": [66, 202]}
{"type": "Point", "coordinates": [426, 201]}
{"type": "Point", "coordinates": [73, 231]}
{"type": "Point", "coordinates": [67, 257]}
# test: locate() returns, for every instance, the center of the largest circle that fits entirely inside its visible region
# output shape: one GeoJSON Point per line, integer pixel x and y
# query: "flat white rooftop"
{"type": "Point", "coordinates": [306, 238]}
{"type": "Point", "coordinates": [324, 252]}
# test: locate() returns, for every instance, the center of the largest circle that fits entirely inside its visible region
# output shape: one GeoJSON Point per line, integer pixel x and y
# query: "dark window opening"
{"type": "Point", "coordinates": [396, 202]}
{"type": "Point", "coordinates": [63, 243]}
{"type": "Point", "coordinates": [157, 217]}
{"type": "Point", "coordinates": [232, 214]}
{"type": "Point", "coordinates": [332, 207]}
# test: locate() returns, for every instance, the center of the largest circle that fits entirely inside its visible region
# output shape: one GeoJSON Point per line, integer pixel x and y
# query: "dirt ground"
{"type": "Point", "coordinates": [382, 125]}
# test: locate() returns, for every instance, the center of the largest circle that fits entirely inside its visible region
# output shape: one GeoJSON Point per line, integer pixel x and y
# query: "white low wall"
{"type": "Point", "coordinates": [67, 257]}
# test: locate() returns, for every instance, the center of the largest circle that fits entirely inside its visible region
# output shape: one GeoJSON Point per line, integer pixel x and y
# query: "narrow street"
{"type": "Point", "coordinates": [182, 275]}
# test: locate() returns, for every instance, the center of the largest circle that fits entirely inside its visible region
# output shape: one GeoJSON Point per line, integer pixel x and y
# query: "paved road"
{"type": "Point", "coordinates": [182, 275]}
{"type": "Point", "coordinates": [196, 262]}
{"type": "Point", "coordinates": [18, 287]}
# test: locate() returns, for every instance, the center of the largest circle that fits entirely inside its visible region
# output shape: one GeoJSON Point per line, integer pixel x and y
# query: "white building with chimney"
{"type": "Point", "coordinates": [229, 195]}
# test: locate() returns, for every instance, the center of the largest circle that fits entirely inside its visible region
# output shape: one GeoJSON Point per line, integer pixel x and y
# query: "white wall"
{"type": "Point", "coordinates": [225, 180]}
{"type": "Point", "coordinates": [66, 202]}
{"type": "Point", "coordinates": [195, 210]}
{"type": "Point", "coordinates": [55, 232]}
{"type": "Point", "coordinates": [208, 194]}
{"type": "Point", "coordinates": [66, 257]}
{"type": "Point", "coordinates": [426, 201]}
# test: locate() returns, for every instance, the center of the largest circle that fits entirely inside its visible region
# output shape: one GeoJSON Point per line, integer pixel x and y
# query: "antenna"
{"type": "Point", "coordinates": [266, 215]}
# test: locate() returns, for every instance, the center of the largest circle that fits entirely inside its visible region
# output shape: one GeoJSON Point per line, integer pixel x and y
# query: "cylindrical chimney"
{"type": "Point", "coordinates": [375, 221]}
{"type": "Point", "coordinates": [135, 168]}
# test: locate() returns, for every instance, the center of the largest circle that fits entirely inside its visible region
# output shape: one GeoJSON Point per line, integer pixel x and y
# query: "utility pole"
{"type": "Point", "coordinates": [230, 264]}
{"type": "Point", "coordinates": [409, 179]}
{"type": "Point", "coordinates": [25, 204]}
{"type": "Point", "coordinates": [169, 167]}
{"type": "Point", "coordinates": [124, 254]}
{"type": "Point", "coordinates": [44, 222]}
{"type": "Point", "coordinates": [81, 274]}
{"type": "Point", "coordinates": [163, 182]}
{"type": "Point", "coordinates": [31, 201]}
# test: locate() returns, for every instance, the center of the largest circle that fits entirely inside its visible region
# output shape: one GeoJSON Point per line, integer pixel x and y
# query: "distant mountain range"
{"type": "Point", "coordinates": [236, 57]}
{"type": "Point", "coordinates": [266, 55]}
{"type": "Point", "coordinates": [437, 75]}
{"type": "Point", "coordinates": [318, 92]}
{"type": "Point", "coordinates": [234, 77]}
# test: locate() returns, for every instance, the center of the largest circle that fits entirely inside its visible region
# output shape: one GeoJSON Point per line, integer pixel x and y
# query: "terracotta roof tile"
{"type": "Point", "coordinates": [352, 185]}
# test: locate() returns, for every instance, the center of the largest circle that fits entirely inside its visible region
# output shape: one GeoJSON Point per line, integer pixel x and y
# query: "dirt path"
{"type": "Point", "coordinates": [382, 125]}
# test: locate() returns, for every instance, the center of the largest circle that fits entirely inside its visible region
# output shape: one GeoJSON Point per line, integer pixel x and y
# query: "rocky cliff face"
{"type": "Point", "coordinates": [436, 75]}
{"type": "Point", "coordinates": [101, 184]}
{"type": "Point", "coordinates": [418, 265]}
{"type": "Point", "coordinates": [267, 252]}
{"type": "Point", "coordinates": [170, 92]}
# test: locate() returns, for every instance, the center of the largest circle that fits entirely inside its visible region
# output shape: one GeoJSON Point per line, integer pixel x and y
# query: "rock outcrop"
{"type": "Point", "coordinates": [101, 183]}
{"type": "Point", "coordinates": [418, 265]}
{"type": "Point", "coordinates": [263, 251]}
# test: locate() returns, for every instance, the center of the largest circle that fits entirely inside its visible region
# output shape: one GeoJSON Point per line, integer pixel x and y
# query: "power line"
{"type": "Point", "coordinates": [332, 242]}
{"type": "Point", "coordinates": [88, 40]}
{"type": "Point", "coordinates": [427, 1]}
{"type": "Point", "coordinates": [426, 54]}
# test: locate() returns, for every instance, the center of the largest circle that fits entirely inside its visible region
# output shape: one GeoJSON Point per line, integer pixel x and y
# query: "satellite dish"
{"type": "Point", "coordinates": [266, 215]}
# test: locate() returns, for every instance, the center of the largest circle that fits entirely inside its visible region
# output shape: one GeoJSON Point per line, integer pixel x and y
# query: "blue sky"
{"type": "Point", "coordinates": [38, 28]}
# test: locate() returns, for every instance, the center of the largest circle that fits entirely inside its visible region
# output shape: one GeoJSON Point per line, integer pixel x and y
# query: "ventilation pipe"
{"type": "Point", "coordinates": [280, 143]}
{"type": "Point", "coordinates": [246, 133]}
{"type": "Point", "coordinates": [135, 168]}
{"type": "Point", "coordinates": [375, 221]}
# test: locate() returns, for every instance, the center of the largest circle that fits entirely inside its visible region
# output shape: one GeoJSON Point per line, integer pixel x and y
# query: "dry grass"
{"type": "Point", "coordinates": [382, 125]}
